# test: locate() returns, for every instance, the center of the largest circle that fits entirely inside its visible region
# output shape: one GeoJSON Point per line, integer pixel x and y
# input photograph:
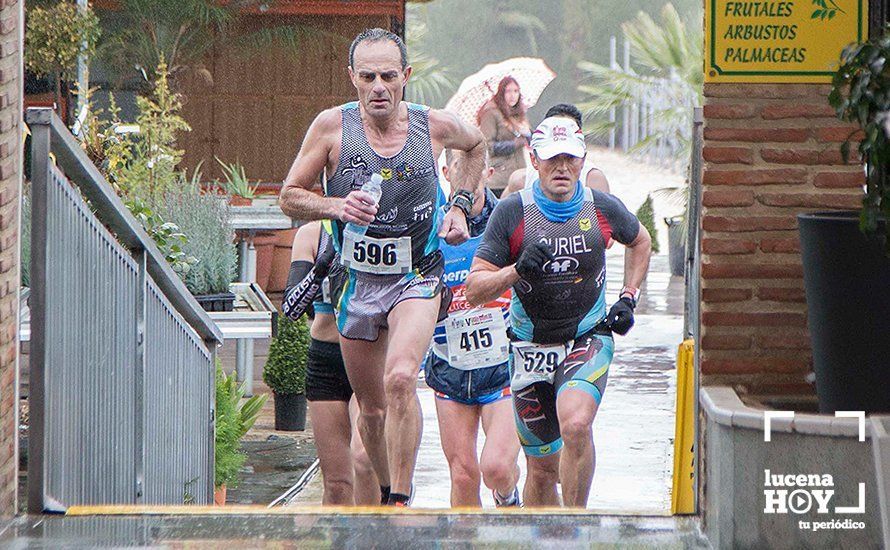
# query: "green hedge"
{"type": "Point", "coordinates": [285, 370]}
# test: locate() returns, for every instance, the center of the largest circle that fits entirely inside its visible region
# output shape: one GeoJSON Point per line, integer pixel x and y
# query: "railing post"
{"type": "Point", "coordinates": [38, 121]}
{"type": "Point", "coordinates": [139, 378]}
{"type": "Point", "coordinates": [692, 317]}
{"type": "Point", "coordinates": [212, 346]}
{"type": "Point", "coordinates": [625, 108]}
{"type": "Point", "coordinates": [693, 212]}
{"type": "Point", "coordinates": [244, 347]}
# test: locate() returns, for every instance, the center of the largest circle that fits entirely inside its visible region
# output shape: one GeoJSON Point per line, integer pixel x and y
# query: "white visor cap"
{"type": "Point", "coordinates": [558, 135]}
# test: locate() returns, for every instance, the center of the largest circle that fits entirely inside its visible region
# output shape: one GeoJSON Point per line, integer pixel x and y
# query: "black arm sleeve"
{"type": "Point", "coordinates": [303, 283]}
{"type": "Point", "coordinates": [625, 226]}
{"type": "Point", "coordinates": [495, 246]}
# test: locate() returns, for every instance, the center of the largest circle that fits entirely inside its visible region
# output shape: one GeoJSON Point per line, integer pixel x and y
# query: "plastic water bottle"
{"type": "Point", "coordinates": [375, 189]}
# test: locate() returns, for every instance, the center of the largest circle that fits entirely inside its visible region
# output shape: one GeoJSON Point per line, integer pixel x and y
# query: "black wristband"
{"type": "Point", "coordinates": [463, 200]}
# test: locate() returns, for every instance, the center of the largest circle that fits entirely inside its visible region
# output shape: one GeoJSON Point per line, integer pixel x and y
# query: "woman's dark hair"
{"type": "Point", "coordinates": [515, 112]}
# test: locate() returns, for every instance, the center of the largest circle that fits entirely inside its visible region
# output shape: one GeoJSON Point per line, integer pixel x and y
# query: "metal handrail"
{"type": "Point", "coordinates": [110, 209]}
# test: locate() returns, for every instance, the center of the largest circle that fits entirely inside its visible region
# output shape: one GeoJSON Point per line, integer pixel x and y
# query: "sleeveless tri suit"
{"type": "Point", "coordinates": [559, 340]}
{"type": "Point", "coordinates": [399, 257]}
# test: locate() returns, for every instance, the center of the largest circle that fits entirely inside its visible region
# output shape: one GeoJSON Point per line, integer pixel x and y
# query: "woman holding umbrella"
{"type": "Point", "coordinates": [505, 126]}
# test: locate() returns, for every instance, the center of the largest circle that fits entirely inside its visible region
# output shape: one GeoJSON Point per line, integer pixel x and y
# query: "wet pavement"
{"type": "Point", "coordinates": [634, 429]}
{"type": "Point", "coordinates": [326, 530]}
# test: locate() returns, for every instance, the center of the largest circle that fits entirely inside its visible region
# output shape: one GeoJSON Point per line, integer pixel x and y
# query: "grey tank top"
{"type": "Point", "coordinates": [411, 196]}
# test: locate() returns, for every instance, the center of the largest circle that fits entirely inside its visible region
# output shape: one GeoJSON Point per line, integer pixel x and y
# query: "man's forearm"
{"type": "Point", "coordinates": [636, 260]}
{"type": "Point", "coordinates": [484, 286]}
{"type": "Point", "coordinates": [302, 204]}
{"type": "Point", "coordinates": [470, 170]}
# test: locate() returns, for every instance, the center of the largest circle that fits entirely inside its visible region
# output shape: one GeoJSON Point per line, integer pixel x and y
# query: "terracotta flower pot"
{"type": "Point", "coordinates": [240, 201]}
{"type": "Point", "coordinates": [219, 495]}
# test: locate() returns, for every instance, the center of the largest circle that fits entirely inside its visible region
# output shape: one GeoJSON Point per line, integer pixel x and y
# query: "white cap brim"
{"type": "Point", "coordinates": [569, 147]}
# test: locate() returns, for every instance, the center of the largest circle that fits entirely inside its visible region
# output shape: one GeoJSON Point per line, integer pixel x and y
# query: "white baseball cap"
{"type": "Point", "coordinates": [557, 135]}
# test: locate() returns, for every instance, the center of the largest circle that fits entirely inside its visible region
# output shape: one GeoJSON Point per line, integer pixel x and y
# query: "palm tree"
{"type": "Point", "coordinates": [183, 31]}
{"type": "Point", "coordinates": [669, 56]}
{"type": "Point", "coordinates": [431, 80]}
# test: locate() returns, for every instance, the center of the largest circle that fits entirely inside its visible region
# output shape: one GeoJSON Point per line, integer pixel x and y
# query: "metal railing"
{"type": "Point", "coordinates": [122, 358]}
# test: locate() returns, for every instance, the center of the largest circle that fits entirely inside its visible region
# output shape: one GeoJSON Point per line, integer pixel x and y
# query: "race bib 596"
{"type": "Point", "coordinates": [378, 256]}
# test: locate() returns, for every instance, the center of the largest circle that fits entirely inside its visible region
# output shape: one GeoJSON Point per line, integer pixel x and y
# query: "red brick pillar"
{"type": "Point", "coordinates": [10, 189]}
{"type": "Point", "coordinates": [770, 152]}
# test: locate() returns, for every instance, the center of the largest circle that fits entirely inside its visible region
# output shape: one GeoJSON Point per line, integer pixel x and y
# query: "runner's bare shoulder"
{"type": "Point", "coordinates": [449, 131]}
{"type": "Point", "coordinates": [327, 125]}
{"type": "Point", "coordinates": [323, 136]}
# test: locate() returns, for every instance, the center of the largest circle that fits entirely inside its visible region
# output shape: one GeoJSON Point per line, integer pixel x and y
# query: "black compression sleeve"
{"type": "Point", "coordinates": [303, 284]}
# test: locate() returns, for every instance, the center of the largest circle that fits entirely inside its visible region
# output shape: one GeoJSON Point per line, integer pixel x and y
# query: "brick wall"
{"type": "Point", "coordinates": [10, 186]}
{"type": "Point", "coordinates": [770, 152]}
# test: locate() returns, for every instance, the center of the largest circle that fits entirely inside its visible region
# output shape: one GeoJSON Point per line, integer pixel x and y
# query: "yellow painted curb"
{"type": "Point", "coordinates": [240, 510]}
{"type": "Point", "coordinates": [683, 492]}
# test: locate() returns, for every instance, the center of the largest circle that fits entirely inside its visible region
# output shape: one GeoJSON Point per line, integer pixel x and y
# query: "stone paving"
{"type": "Point", "coordinates": [324, 530]}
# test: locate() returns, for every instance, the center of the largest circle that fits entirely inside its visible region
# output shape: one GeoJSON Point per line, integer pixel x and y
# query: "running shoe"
{"type": "Point", "coordinates": [402, 503]}
{"type": "Point", "coordinates": [513, 500]}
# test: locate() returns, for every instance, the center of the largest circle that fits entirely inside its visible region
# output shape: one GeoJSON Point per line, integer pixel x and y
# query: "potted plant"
{"type": "Point", "coordinates": [646, 214]}
{"type": "Point", "coordinates": [846, 255]}
{"type": "Point", "coordinates": [204, 221]}
{"type": "Point", "coordinates": [54, 38]}
{"type": "Point", "coordinates": [233, 420]}
{"type": "Point", "coordinates": [677, 227]}
{"type": "Point", "coordinates": [285, 373]}
{"type": "Point", "coordinates": [236, 184]}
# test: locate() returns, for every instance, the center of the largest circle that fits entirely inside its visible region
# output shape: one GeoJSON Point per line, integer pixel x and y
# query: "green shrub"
{"type": "Point", "coordinates": [860, 94]}
{"type": "Point", "coordinates": [646, 215]}
{"type": "Point", "coordinates": [285, 370]}
{"type": "Point", "coordinates": [203, 217]}
{"type": "Point", "coordinates": [233, 420]}
{"type": "Point", "coordinates": [55, 36]}
{"type": "Point", "coordinates": [139, 176]}
{"type": "Point", "coordinates": [166, 235]}
{"type": "Point", "coordinates": [151, 170]}
{"type": "Point", "coordinates": [228, 456]}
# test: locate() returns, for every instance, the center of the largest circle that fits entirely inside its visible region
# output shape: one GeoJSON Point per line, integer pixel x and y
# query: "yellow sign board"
{"type": "Point", "coordinates": [779, 41]}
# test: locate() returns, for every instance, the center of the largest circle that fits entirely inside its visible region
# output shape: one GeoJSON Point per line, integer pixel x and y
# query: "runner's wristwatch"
{"type": "Point", "coordinates": [463, 200]}
{"type": "Point", "coordinates": [632, 293]}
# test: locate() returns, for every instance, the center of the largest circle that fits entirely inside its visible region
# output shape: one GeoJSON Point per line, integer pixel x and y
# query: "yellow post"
{"type": "Point", "coordinates": [683, 493]}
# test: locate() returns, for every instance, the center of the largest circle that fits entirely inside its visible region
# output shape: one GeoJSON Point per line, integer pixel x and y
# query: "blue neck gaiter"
{"type": "Point", "coordinates": [558, 212]}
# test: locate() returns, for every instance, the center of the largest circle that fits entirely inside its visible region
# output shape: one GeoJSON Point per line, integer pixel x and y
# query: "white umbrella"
{"type": "Point", "coordinates": [532, 74]}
